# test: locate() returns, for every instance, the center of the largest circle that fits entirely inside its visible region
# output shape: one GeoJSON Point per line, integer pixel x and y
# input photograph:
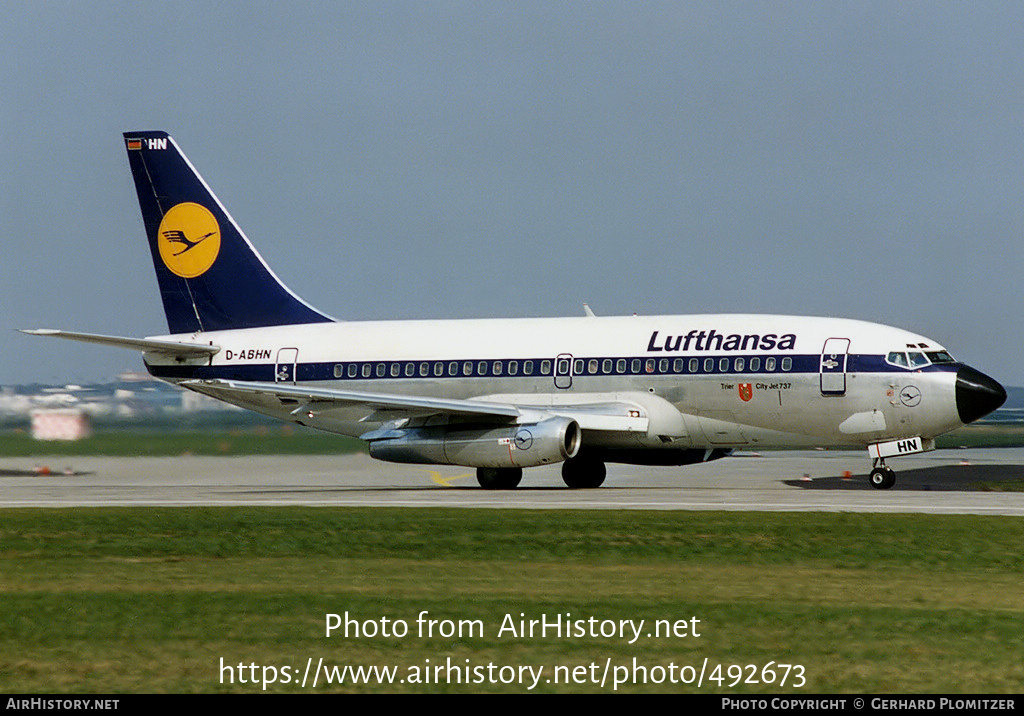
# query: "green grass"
{"type": "Point", "coordinates": [984, 435]}
{"type": "Point", "coordinates": [150, 599]}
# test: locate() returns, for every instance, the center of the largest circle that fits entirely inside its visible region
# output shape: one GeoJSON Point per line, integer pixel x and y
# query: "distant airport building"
{"type": "Point", "coordinates": [60, 424]}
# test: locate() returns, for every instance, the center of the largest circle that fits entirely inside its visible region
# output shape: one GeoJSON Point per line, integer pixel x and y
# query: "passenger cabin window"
{"type": "Point", "coordinates": [755, 365]}
{"type": "Point", "coordinates": [528, 367]}
{"type": "Point", "coordinates": [545, 367]}
{"type": "Point", "coordinates": [769, 365]}
{"type": "Point", "coordinates": [787, 364]}
{"type": "Point", "coordinates": [513, 367]}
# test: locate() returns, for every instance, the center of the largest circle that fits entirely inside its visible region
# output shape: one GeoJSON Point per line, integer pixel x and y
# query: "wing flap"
{"type": "Point", "coordinates": [388, 407]}
{"type": "Point", "coordinates": [325, 398]}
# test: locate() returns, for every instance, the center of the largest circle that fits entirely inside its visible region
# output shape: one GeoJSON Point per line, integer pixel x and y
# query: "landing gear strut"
{"type": "Point", "coordinates": [499, 478]}
{"type": "Point", "coordinates": [882, 476]}
{"type": "Point", "coordinates": [583, 472]}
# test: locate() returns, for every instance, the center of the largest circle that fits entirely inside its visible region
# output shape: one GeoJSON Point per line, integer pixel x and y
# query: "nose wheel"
{"type": "Point", "coordinates": [882, 476]}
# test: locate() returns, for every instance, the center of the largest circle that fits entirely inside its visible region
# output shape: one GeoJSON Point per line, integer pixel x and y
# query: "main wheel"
{"type": "Point", "coordinates": [499, 478]}
{"type": "Point", "coordinates": [581, 472]}
{"type": "Point", "coordinates": [882, 478]}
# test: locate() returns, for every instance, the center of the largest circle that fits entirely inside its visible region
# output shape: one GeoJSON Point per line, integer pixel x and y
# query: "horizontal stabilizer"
{"type": "Point", "coordinates": [147, 345]}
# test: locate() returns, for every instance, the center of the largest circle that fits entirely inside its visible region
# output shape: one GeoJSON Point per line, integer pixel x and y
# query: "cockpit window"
{"type": "Point", "coordinates": [917, 360]}
{"type": "Point", "coordinates": [898, 359]}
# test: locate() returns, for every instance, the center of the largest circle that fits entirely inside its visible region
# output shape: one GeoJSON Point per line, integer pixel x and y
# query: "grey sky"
{"type": "Point", "coordinates": [441, 160]}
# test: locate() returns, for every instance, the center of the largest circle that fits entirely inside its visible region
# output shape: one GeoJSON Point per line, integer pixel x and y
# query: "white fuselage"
{"type": "Point", "coordinates": [704, 381]}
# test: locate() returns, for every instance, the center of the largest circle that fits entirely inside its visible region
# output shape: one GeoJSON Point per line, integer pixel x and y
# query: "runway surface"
{"type": "Point", "coordinates": [942, 482]}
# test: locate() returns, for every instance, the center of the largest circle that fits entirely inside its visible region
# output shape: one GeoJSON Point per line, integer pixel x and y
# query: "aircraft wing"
{"type": "Point", "coordinates": [386, 407]}
{"type": "Point", "coordinates": [324, 398]}
{"type": "Point", "coordinates": [147, 345]}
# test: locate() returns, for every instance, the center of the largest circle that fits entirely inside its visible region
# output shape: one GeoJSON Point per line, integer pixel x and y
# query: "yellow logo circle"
{"type": "Point", "coordinates": [189, 240]}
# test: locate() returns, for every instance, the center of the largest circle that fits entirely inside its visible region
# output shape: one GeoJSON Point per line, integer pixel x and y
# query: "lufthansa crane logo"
{"type": "Point", "coordinates": [524, 439]}
{"type": "Point", "coordinates": [189, 240]}
{"type": "Point", "coordinates": [910, 396]}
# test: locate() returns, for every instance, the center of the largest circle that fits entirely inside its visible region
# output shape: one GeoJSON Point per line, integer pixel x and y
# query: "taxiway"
{"type": "Point", "coordinates": [942, 482]}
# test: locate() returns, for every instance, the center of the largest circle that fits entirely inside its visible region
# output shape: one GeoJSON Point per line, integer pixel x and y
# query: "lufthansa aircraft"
{"type": "Point", "coordinates": [501, 395]}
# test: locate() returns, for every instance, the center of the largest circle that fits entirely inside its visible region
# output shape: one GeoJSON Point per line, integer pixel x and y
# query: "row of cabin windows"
{"type": "Point", "coordinates": [438, 369]}
{"type": "Point", "coordinates": [679, 365]}
{"type": "Point", "coordinates": [593, 366]}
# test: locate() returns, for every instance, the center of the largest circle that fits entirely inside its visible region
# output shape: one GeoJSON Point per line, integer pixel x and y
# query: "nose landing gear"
{"type": "Point", "coordinates": [882, 476]}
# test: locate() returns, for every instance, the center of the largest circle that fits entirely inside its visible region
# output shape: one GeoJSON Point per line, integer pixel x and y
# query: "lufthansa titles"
{"type": "Point", "coordinates": [714, 341]}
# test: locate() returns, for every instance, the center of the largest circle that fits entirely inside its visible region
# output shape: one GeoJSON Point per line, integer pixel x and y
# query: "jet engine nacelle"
{"type": "Point", "coordinates": [549, 441]}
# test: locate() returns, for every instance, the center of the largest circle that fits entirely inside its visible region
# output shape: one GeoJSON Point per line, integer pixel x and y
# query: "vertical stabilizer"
{"type": "Point", "coordinates": [210, 276]}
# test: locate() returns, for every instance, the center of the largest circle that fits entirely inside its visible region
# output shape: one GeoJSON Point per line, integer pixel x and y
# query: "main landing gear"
{"type": "Point", "coordinates": [499, 478]}
{"type": "Point", "coordinates": [577, 472]}
{"type": "Point", "coordinates": [882, 476]}
{"type": "Point", "coordinates": [583, 472]}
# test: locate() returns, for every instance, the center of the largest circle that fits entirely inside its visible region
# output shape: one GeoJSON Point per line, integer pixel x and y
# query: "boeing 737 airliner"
{"type": "Point", "coordinates": [501, 395]}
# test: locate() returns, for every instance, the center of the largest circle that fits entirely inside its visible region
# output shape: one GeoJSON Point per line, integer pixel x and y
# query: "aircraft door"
{"type": "Point", "coordinates": [563, 371]}
{"type": "Point", "coordinates": [287, 361]}
{"type": "Point", "coordinates": [833, 366]}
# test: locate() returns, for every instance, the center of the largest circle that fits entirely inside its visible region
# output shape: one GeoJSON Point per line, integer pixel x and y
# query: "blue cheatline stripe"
{"type": "Point", "coordinates": [717, 365]}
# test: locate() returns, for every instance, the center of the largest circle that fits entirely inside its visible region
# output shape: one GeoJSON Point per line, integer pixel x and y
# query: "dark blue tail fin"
{"type": "Point", "coordinates": [211, 278]}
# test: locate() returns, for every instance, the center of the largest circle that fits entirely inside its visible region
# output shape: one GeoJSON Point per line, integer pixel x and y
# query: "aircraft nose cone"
{"type": "Point", "coordinates": [977, 395]}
